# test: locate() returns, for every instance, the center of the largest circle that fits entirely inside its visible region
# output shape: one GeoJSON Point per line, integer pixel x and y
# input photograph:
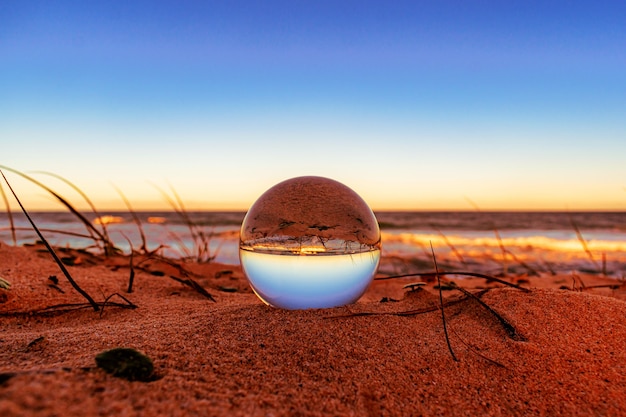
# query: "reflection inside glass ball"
{"type": "Point", "coordinates": [309, 242]}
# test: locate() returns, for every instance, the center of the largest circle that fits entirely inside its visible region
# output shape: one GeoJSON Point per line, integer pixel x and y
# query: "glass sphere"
{"type": "Point", "coordinates": [309, 242]}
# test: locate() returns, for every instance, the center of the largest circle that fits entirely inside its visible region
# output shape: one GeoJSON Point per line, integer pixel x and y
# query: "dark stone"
{"type": "Point", "coordinates": [126, 363]}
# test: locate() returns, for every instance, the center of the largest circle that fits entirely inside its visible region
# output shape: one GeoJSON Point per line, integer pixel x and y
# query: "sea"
{"type": "Point", "coordinates": [487, 242]}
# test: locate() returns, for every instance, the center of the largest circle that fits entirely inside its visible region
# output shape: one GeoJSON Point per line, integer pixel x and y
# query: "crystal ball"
{"type": "Point", "coordinates": [309, 242]}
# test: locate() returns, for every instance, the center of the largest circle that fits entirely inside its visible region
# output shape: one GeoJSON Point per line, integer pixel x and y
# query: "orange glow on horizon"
{"type": "Point", "coordinates": [396, 196]}
{"type": "Point", "coordinates": [155, 205]}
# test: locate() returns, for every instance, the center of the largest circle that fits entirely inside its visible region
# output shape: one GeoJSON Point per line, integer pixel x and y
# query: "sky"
{"type": "Point", "coordinates": [416, 105]}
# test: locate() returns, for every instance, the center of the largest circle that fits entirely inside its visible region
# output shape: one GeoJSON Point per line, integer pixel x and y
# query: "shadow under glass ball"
{"type": "Point", "coordinates": [309, 242]}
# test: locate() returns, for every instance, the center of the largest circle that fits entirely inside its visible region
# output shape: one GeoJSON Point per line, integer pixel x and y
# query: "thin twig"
{"type": "Point", "coordinates": [56, 231]}
{"type": "Point", "coordinates": [582, 240]}
{"type": "Point", "coordinates": [201, 240]}
{"type": "Point", "coordinates": [9, 215]}
{"type": "Point", "coordinates": [193, 284]}
{"type": "Point", "coordinates": [522, 263]}
{"type": "Point", "coordinates": [443, 315]}
{"type": "Point", "coordinates": [469, 274]}
{"type": "Point", "coordinates": [513, 334]}
{"type": "Point", "coordinates": [450, 245]}
{"type": "Point", "coordinates": [106, 302]}
{"type": "Point", "coordinates": [136, 219]}
{"type": "Point", "coordinates": [404, 313]}
{"type": "Point", "coordinates": [498, 237]}
{"type": "Point", "coordinates": [63, 308]}
{"type": "Point", "coordinates": [109, 248]}
{"type": "Point", "coordinates": [131, 266]}
{"type": "Point", "coordinates": [475, 351]}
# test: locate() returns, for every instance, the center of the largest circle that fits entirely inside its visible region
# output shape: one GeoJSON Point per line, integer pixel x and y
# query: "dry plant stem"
{"type": "Point", "coordinates": [131, 278]}
{"type": "Point", "coordinates": [507, 326]}
{"type": "Point", "coordinates": [204, 253]}
{"type": "Point", "coordinates": [193, 284]}
{"type": "Point", "coordinates": [183, 215]}
{"type": "Point", "coordinates": [610, 286]}
{"type": "Point", "coordinates": [505, 268]}
{"type": "Point", "coordinates": [469, 274]}
{"type": "Point", "coordinates": [136, 219]}
{"type": "Point", "coordinates": [522, 263]}
{"type": "Point", "coordinates": [443, 315]}
{"type": "Point", "coordinates": [401, 313]}
{"type": "Point", "coordinates": [547, 265]}
{"type": "Point", "coordinates": [58, 309]}
{"type": "Point", "coordinates": [9, 215]}
{"type": "Point", "coordinates": [181, 269]}
{"type": "Point", "coordinates": [106, 302]}
{"type": "Point", "coordinates": [105, 232]}
{"type": "Point", "coordinates": [90, 227]}
{"type": "Point", "coordinates": [582, 284]}
{"type": "Point", "coordinates": [182, 248]}
{"type": "Point", "coordinates": [582, 241]}
{"type": "Point", "coordinates": [52, 252]}
{"type": "Point", "coordinates": [188, 281]}
{"type": "Point", "coordinates": [200, 239]}
{"type": "Point", "coordinates": [476, 352]}
{"type": "Point", "coordinates": [449, 244]}
{"type": "Point", "coordinates": [60, 232]}
{"type": "Point", "coordinates": [195, 231]}
{"type": "Point", "coordinates": [496, 232]}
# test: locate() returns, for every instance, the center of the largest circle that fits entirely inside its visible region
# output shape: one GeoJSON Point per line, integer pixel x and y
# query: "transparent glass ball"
{"type": "Point", "coordinates": [309, 242]}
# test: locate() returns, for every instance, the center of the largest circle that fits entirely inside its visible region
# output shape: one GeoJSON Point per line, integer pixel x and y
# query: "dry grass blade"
{"type": "Point", "coordinates": [52, 252]}
{"type": "Point", "coordinates": [105, 233]}
{"type": "Point", "coordinates": [193, 284]}
{"type": "Point", "coordinates": [449, 244]}
{"type": "Point", "coordinates": [469, 274]}
{"type": "Point", "coordinates": [9, 215]}
{"type": "Point", "coordinates": [510, 329]}
{"type": "Point", "coordinates": [443, 315]}
{"type": "Point", "coordinates": [56, 231]}
{"type": "Point", "coordinates": [529, 268]}
{"type": "Point", "coordinates": [610, 286]}
{"type": "Point", "coordinates": [177, 265]}
{"type": "Point", "coordinates": [90, 227]}
{"type": "Point", "coordinates": [200, 239]}
{"type": "Point", "coordinates": [498, 238]}
{"type": "Point", "coordinates": [582, 241]}
{"type": "Point", "coordinates": [131, 266]}
{"type": "Point", "coordinates": [476, 352]}
{"type": "Point", "coordinates": [106, 302]}
{"type": "Point", "coordinates": [404, 313]}
{"type": "Point", "coordinates": [182, 248]}
{"type": "Point", "coordinates": [502, 249]}
{"type": "Point", "coordinates": [136, 219]}
{"type": "Point", "coordinates": [59, 309]}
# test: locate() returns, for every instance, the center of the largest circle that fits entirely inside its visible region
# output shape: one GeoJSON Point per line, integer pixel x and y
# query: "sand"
{"type": "Point", "coordinates": [239, 357]}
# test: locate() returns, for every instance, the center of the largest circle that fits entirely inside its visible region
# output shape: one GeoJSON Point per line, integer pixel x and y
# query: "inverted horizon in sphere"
{"type": "Point", "coordinates": [309, 242]}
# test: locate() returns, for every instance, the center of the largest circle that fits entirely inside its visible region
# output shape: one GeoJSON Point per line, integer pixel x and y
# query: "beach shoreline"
{"type": "Point", "coordinates": [489, 242]}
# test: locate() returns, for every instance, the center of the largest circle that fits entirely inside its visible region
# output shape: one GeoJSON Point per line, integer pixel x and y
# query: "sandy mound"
{"type": "Point", "coordinates": [237, 356]}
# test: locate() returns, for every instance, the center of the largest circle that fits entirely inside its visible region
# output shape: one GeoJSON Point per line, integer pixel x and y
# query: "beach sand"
{"type": "Point", "coordinates": [239, 357]}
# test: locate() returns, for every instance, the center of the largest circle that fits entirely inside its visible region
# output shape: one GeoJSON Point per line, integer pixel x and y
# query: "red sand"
{"type": "Point", "coordinates": [239, 357]}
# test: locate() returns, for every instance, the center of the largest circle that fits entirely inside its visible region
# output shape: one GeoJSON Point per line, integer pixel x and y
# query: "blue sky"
{"type": "Point", "coordinates": [415, 105]}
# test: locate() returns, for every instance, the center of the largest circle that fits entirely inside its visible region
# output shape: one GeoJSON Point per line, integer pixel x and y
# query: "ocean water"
{"type": "Point", "coordinates": [489, 242]}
